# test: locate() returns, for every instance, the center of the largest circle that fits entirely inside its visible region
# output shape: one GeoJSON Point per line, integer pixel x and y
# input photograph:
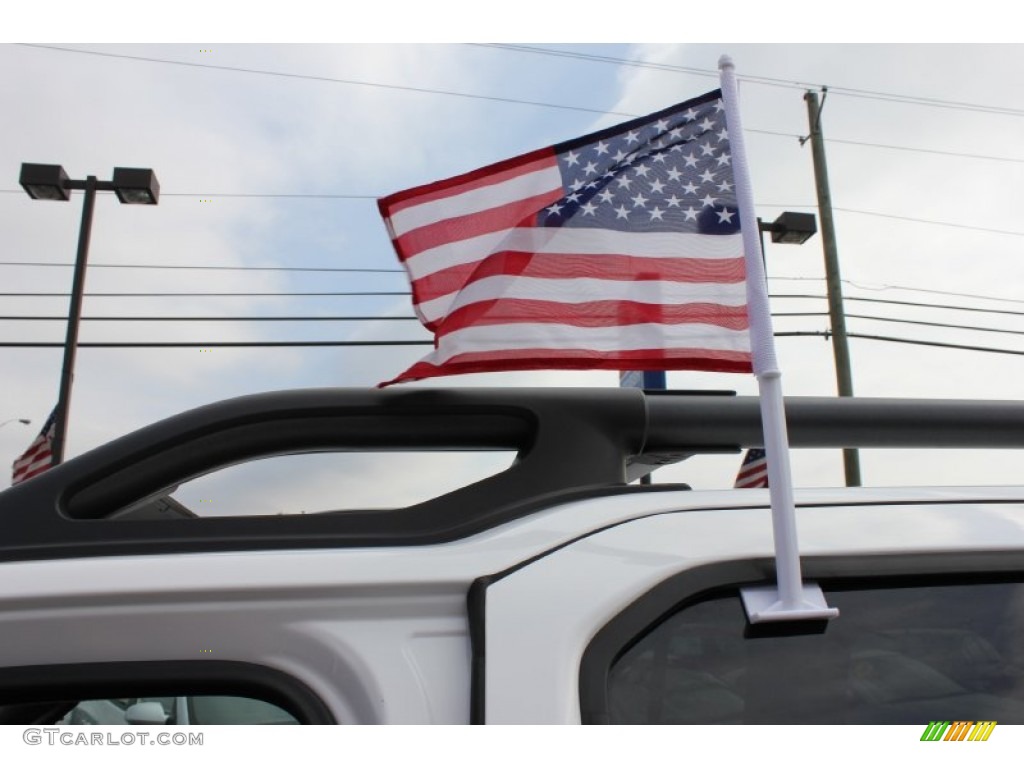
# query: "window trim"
{"type": "Point", "coordinates": [833, 572]}
{"type": "Point", "coordinates": [21, 686]}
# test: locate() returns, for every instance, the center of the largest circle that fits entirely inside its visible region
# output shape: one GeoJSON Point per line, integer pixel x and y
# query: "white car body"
{"type": "Point", "coordinates": [490, 627]}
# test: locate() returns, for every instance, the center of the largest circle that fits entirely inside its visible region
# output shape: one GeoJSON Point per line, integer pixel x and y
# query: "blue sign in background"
{"type": "Point", "coordinates": [643, 379]}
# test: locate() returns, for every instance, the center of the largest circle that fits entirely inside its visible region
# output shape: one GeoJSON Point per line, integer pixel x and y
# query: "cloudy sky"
{"type": "Point", "coordinates": [270, 157]}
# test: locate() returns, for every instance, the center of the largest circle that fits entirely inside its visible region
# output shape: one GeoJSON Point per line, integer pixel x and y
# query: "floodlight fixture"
{"type": "Point", "coordinates": [792, 228]}
{"type": "Point", "coordinates": [45, 182]}
{"type": "Point", "coordinates": [136, 186]}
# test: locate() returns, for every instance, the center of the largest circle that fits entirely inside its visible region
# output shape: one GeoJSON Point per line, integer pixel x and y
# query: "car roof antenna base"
{"type": "Point", "coordinates": [764, 604]}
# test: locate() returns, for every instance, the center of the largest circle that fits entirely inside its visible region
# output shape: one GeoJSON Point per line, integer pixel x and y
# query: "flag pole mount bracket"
{"type": "Point", "coordinates": [764, 604]}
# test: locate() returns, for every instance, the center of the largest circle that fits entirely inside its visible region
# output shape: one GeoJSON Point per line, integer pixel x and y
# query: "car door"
{"type": "Point", "coordinates": [643, 622]}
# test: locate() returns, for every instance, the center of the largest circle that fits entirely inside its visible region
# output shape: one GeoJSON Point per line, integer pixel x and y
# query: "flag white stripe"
{"type": "Point", "coordinates": [33, 466]}
{"type": "Point", "coordinates": [581, 289]}
{"type": "Point", "coordinates": [747, 481]}
{"type": "Point", "coordinates": [455, 254]}
{"type": "Point", "coordinates": [493, 338]}
{"type": "Point", "coordinates": [31, 452]}
{"type": "Point", "coordinates": [476, 200]}
{"type": "Point", "coordinates": [565, 240]}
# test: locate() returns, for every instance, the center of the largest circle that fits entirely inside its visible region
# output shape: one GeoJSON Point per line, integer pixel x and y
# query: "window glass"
{"type": "Point", "coordinates": [235, 710]}
{"type": "Point", "coordinates": [98, 712]}
{"type": "Point", "coordinates": [177, 710]}
{"type": "Point", "coordinates": [321, 482]}
{"type": "Point", "coordinates": [895, 655]}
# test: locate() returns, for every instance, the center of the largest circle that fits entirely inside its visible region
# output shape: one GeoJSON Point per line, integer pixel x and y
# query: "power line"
{"type": "Point", "coordinates": [201, 295]}
{"type": "Point", "coordinates": [212, 344]}
{"type": "Point", "coordinates": [412, 318]}
{"type": "Point", "coordinates": [884, 287]}
{"type": "Point", "coordinates": [320, 78]}
{"type": "Point", "coordinates": [765, 205]}
{"type": "Point", "coordinates": [198, 266]}
{"type": "Point", "coordinates": [926, 305]}
{"type": "Point", "coordinates": [321, 196]}
{"type": "Point", "coordinates": [819, 297]}
{"type": "Point", "coordinates": [762, 80]}
{"type": "Point", "coordinates": [942, 345]}
{"type": "Point", "coordinates": [899, 320]}
{"type": "Point", "coordinates": [559, 53]}
{"type": "Point", "coordinates": [896, 147]}
{"type": "Point", "coordinates": [938, 325]}
{"type": "Point", "coordinates": [916, 220]}
{"type": "Point", "coordinates": [214, 319]}
{"type": "Point", "coordinates": [314, 195]}
{"type": "Point", "coordinates": [968, 155]}
{"type": "Point", "coordinates": [913, 219]}
{"type": "Point", "coordinates": [900, 303]}
{"type": "Point", "coordinates": [930, 221]}
{"type": "Point", "coordinates": [917, 342]}
{"type": "Point", "coordinates": [428, 342]}
{"type": "Point", "coordinates": [921, 101]}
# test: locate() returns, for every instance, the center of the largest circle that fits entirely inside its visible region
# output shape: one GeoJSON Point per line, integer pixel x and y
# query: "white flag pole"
{"type": "Point", "coordinates": [791, 599]}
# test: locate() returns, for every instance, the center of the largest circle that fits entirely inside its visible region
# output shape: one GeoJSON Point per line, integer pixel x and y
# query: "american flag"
{"type": "Point", "coordinates": [618, 250]}
{"type": "Point", "coordinates": [39, 456]}
{"type": "Point", "coordinates": [753, 471]}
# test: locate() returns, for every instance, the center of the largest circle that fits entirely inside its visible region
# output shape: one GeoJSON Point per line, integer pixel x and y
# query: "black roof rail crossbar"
{"type": "Point", "coordinates": [570, 442]}
{"type": "Point", "coordinates": [830, 422]}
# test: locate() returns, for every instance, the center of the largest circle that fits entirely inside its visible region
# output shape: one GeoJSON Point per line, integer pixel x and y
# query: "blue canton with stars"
{"type": "Point", "coordinates": [669, 172]}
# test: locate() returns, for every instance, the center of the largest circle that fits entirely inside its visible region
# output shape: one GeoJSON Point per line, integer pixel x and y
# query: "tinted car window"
{"type": "Point", "coordinates": [182, 710]}
{"type": "Point", "coordinates": [895, 655]}
{"type": "Point", "coordinates": [173, 693]}
{"type": "Point", "coordinates": [235, 710]}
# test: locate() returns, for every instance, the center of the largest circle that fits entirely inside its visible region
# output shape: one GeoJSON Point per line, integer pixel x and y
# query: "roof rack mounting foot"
{"type": "Point", "coordinates": [764, 604]}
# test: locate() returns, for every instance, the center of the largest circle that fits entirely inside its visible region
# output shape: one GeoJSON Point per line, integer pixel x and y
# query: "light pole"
{"type": "Point", "coordinates": [798, 228]}
{"type": "Point", "coordinates": [50, 182]}
{"type": "Point", "coordinates": [791, 228]}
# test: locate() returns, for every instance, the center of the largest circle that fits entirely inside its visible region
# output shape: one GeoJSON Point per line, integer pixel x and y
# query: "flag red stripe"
{"type": "Point", "coordinates": [515, 214]}
{"type": "Point", "coordinates": [27, 461]}
{"type": "Point", "coordinates": [467, 182]}
{"type": "Point", "coordinates": [30, 472]}
{"type": "Point", "coordinates": [562, 266]}
{"type": "Point", "coordinates": [39, 447]}
{"type": "Point", "coordinates": [753, 469]}
{"type": "Point", "coordinates": [591, 314]}
{"type": "Point", "coordinates": [671, 359]}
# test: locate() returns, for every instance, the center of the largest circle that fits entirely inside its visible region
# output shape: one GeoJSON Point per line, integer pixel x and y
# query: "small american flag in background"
{"type": "Point", "coordinates": [753, 471]}
{"type": "Point", "coordinates": [39, 456]}
{"type": "Point", "coordinates": [618, 250]}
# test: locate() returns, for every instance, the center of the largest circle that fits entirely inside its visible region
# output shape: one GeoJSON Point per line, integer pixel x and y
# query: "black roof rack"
{"type": "Point", "coordinates": [570, 442]}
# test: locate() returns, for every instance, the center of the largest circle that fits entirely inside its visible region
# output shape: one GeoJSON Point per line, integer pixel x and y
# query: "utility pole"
{"type": "Point", "coordinates": [840, 347]}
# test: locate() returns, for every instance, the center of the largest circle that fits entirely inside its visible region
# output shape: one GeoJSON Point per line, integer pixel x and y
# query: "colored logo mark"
{"type": "Point", "coordinates": [958, 730]}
